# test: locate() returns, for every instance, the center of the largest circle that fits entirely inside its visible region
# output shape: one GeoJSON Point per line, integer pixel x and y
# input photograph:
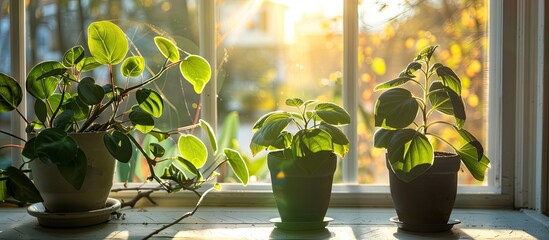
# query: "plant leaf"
{"type": "Point", "coordinates": [119, 145]}
{"type": "Point", "coordinates": [471, 140]}
{"type": "Point", "coordinates": [411, 69]}
{"type": "Point", "coordinates": [294, 102]}
{"type": "Point", "coordinates": [259, 123]}
{"type": "Point", "coordinates": [142, 120]}
{"type": "Point", "coordinates": [11, 94]}
{"type": "Point", "coordinates": [73, 56]}
{"type": "Point", "coordinates": [197, 71]}
{"type": "Point", "coordinates": [332, 114]}
{"type": "Point", "coordinates": [190, 166]}
{"type": "Point", "coordinates": [410, 154]}
{"type": "Point", "coordinates": [382, 137]}
{"type": "Point", "coordinates": [211, 136]}
{"type": "Point", "coordinates": [53, 145]}
{"type": "Point", "coordinates": [339, 139]}
{"type": "Point", "coordinates": [157, 150]}
{"type": "Point", "coordinates": [64, 120]}
{"type": "Point", "coordinates": [270, 129]}
{"type": "Point", "coordinates": [40, 110]}
{"type": "Point", "coordinates": [238, 165]}
{"type": "Point", "coordinates": [150, 102]}
{"type": "Point", "coordinates": [75, 171]}
{"type": "Point", "coordinates": [449, 79]}
{"type": "Point", "coordinates": [426, 53]}
{"type": "Point", "coordinates": [87, 64]}
{"type": "Point", "coordinates": [21, 187]}
{"type": "Point", "coordinates": [107, 42]}
{"type": "Point", "coordinates": [167, 48]}
{"type": "Point", "coordinates": [42, 87]}
{"type": "Point", "coordinates": [193, 150]}
{"type": "Point", "coordinates": [78, 107]}
{"type": "Point", "coordinates": [469, 156]}
{"type": "Point", "coordinates": [395, 108]}
{"type": "Point", "coordinates": [133, 66]}
{"type": "Point", "coordinates": [89, 92]}
{"type": "Point", "coordinates": [393, 83]}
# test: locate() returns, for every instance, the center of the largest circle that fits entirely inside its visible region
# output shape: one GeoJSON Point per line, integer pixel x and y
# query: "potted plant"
{"type": "Point", "coordinates": [81, 127]}
{"type": "Point", "coordinates": [302, 164]}
{"type": "Point", "coordinates": [423, 181]}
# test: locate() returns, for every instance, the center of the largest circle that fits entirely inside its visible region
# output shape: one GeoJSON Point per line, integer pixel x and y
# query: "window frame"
{"type": "Point", "coordinates": [515, 121]}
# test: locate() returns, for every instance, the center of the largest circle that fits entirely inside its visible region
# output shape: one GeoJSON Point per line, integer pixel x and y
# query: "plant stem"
{"type": "Point", "coordinates": [186, 215]}
{"type": "Point", "coordinates": [13, 136]}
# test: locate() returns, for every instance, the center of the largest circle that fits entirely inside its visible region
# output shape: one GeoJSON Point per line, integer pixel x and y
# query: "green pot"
{"type": "Point", "coordinates": [425, 203]}
{"type": "Point", "coordinates": [301, 195]}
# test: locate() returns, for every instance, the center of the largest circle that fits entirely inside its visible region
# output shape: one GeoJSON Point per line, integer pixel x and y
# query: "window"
{"type": "Point", "coordinates": [274, 49]}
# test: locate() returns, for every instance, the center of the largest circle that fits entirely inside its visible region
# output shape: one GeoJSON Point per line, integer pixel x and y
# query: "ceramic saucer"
{"type": "Point", "coordinates": [425, 228]}
{"type": "Point", "coordinates": [297, 226]}
{"type": "Point", "coordinates": [73, 219]}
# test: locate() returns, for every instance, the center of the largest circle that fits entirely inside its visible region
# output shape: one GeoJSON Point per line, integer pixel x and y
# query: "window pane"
{"type": "Point", "coordinates": [5, 118]}
{"type": "Point", "coordinates": [274, 50]}
{"type": "Point", "coordinates": [391, 34]}
{"type": "Point", "coordinates": [56, 26]}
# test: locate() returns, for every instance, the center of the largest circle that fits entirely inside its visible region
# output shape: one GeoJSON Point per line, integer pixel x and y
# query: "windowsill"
{"type": "Point", "coordinates": [253, 223]}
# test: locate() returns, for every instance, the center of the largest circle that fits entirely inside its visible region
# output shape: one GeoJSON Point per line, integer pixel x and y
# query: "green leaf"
{"type": "Point", "coordinates": [11, 94]}
{"type": "Point", "coordinates": [73, 56]}
{"type": "Point", "coordinates": [471, 140]}
{"type": "Point", "coordinates": [173, 172]}
{"type": "Point", "coordinates": [78, 107]}
{"type": "Point", "coordinates": [439, 98]}
{"type": "Point", "coordinates": [395, 108]}
{"type": "Point", "coordinates": [190, 166]}
{"type": "Point", "coordinates": [42, 87]}
{"type": "Point", "coordinates": [133, 66]}
{"type": "Point", "coordinates": [150, 102]}
{"type": "Point", "coordinates": [119, 145]}
{"type": "Point", "coordinates": [449, 79]}
{"type": "Point", "coordinates": [159, 135]}
{"type": "Point", "coordinates": [87, 64]}
{"type": "Point", "coordinates": [40, 110]}
{"type": "Point", "coordinates": [64, 120]}
{"type": "Point", "coordinates": [157, 150]}
{"type": "Point", "coordinates": [309, 146]}
{"type": "Point", "coordinates": [167, 48]}
{"type": "Point", "coordinates": [143, 121]}
{"type": "Point", "coordinates": [426, 53]}
{"type": "Point", "coordinates": [284, 140]}
{"type": "Point", "coordinates": [383, 137]}
{"type": "Point", "coordinates": [211, 136]}
{"type": "Point", "coordinates": [192, 149]}
{"type": "Point", "coordinates": [107, 42]}
{"type": "Point", "coordinates": [477, 167]}
{"type": "Point", "coordinates": [410, 154]}
{"type": "Point", "coordinates": [197, 71]}
{"type": "Point", "coordinates": [294, 102]}
{"type": "Point", "coordinates": [238, 165]}
{"type": "Point", "coordinates": [21, 187]}
{"type": "Point", "coordinates": [393, 83]}
{"type": "Point", "coordinates": [270, 129]}
{"type": "Point", "coordinates": [411, 69]}
{"type": "Point", "coordinates": [332, 114]}
{"type": "Point", "coordinates": [29, 150]}
{"type": "Point", "coordinates": [259, 123]}
{"type": "Point", "coordinates": [53, 145]}
{"type": "Point", "coordinates": [339, 139]}
{"type": "Point", "coordinates": [75, 171]}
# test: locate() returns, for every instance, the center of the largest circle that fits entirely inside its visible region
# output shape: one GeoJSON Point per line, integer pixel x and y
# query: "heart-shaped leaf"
{"type": "Point", "coordinates": [89, 92]}
{"type": "Point", "coordinates": [87, 64]}
{"type": "Point", "coordinates": [64, 120]}
{"type": "Point", "coordinates": [21, 187]}
{"type": "Point", "coordinates": [294, 102]}
{"type": "Point", "coordinates": [197, 71]}
{"type": "Point", "coordinates": [75, 171]}
{"type": "Point", "coordinates": [53, 145]}
{"type": "Point", "coordinates": [143, 121]}
{"type": "Point", "coordinates": [157, 150]}
{"type": "Point", "coordinates": [271, 128]}
{"type": "Point", "coordinates": [11, 94]}
{"type": "Point", "coordinates": [339, 139]}
{"type": "Point", "coordinates": [78, 107]}
{"type": "Point", "coordinates": [40, 86]}
{"type": "Point", "coordinates": [192, 149]}
{"type": "Point", "coordinates": [410, 154]}
{"type": "Point", "coordinates": [469, 156]}
{"type": "Point", "coordinates": [107, 42]}
{"type": "Point", "coordinates": [332, 114]}
{"type": "Point", "coordinates": [133, 66]}
{"type": "Point", "coordinates": [150, 101]}
{"type": "Point", "coordinates": [238, 165]}
{"type": "Point", "coordinates": [40, 110]}
{"type": "Point", "coordinates": [119, 145]}
{"type": "Point", "coordinates": [449, 79]}
{"type": "Point", "coordinates": [382, 137]}
{"type": "Point", "coordinates": [73, 56]}
{"type": "Point", "coordinates": [167, 48]}
{"type": "Point", "coordinates": [395, 108]}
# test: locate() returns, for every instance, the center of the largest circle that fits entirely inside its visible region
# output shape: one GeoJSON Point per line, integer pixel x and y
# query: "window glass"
{"type": "Point", "coordinates": [274, 50]}
{"type": "Point", "coordinates": [5, 118]}
{"type": "Point", "coordinates": [391, 35]}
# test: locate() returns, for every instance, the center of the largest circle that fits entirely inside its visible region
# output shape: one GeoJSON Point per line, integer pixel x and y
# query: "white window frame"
{"type": "Point", "coordinates": [515, 121]}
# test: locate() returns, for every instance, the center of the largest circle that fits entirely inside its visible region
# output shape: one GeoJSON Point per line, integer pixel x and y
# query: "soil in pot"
{"type": "Point", "coordinates": [429, 199]}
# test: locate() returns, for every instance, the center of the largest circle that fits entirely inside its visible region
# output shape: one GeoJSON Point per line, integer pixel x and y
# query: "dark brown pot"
{"type": "Point", "coordinates": [429, 199]}
{"type": "Point", "coordinates": [300, 195]}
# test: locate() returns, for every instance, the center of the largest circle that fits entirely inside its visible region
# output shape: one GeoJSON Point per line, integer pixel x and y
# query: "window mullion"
{"type": "Point", "coordinates": [350, 86]}
{"type": "Point", "coordinates": [206, 30]}
{"type": "Point", "coordinates": [18, 71]}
